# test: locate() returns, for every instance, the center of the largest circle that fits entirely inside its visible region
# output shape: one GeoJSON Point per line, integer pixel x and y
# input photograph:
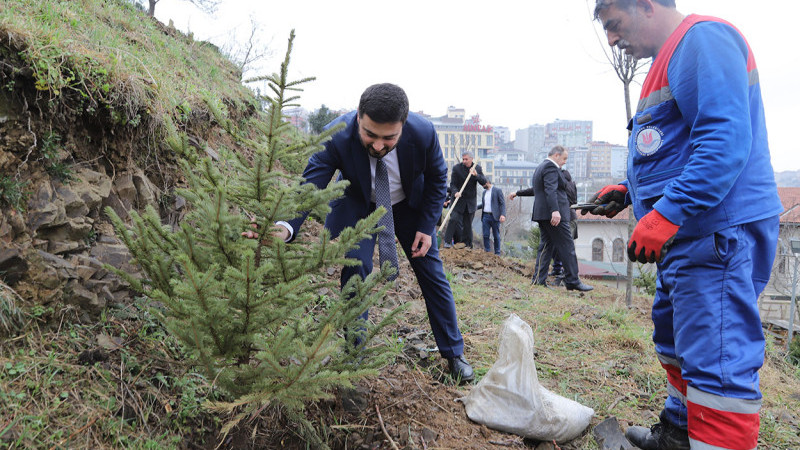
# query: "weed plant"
{"type": "Point", "coordinates": [12, 319]}
{"type": "Point", "coordinates": [13, 193]}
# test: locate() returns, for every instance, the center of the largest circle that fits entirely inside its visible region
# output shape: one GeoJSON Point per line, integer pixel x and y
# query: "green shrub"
{"type": "Point", "coordinates": [51, 146]}
{"type": "Point", "coordinates": [646, 280]}
{"type": "Point", "coordinates": [12, 193]}
{"type": "Point", "coordinates": [794, 351]}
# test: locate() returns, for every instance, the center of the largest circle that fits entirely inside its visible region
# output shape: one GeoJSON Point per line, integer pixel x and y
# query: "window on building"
{"type": "Point", "coordinates": [597, 250]}
{"type": "Point", "coordinates": [618, 254]}
{"type": "Point", "coordinates": [490, 141]}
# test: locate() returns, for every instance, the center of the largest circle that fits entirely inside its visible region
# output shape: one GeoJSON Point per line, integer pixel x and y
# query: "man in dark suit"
{"type": "Point", "coordinates": [460, 222]}
{"type": "Point", "coordinates": [383, 129]}
{"type": "Point", "coordinates": [571, 190]}
{"type": "Point", "coordinates": [494, 213]}
{"type": "Point", "coordinates": [552, 212]}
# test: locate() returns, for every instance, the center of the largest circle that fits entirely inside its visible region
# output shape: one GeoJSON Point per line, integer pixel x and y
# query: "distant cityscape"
{"type": "Point", "coordinates": [510, 163]}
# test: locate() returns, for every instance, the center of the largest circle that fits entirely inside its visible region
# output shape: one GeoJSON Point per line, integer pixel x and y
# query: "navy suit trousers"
{"type": "Point", "coordinates": [430, 276]}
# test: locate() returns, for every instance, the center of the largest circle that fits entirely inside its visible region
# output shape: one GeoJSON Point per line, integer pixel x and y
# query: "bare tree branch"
{"type": "Point", "coordinates": [246, 56]}
{"type": "Point", "coordinates": [627, 68]}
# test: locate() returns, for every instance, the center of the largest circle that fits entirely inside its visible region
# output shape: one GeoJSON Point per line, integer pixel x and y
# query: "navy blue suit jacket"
{"type": "Point", "coordinates": [423, 174]}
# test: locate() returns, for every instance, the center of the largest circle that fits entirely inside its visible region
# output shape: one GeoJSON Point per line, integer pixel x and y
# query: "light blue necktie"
{"type": "Point", "coordinates": [387, 250]}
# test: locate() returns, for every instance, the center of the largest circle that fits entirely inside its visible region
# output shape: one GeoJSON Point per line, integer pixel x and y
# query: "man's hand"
{"type": "Point", "coordinates": [555, 218]}
{"type": "Point", "coordinates": [421, 245]}
{"type": "Point", "coordinates": [473, 171]}
{"type": "Point", "coordinates": [502, 219]}
{"type": "Point", "coordinates": [512, 196]}
{"type": "Point", "coordinates": [457, 195]}
{"type": "Point", "coordinates": [651, 238]}
{"type": "Point", "coordinates": [610, 200]}
{"type": "Point", "coordinates": [278, 231]}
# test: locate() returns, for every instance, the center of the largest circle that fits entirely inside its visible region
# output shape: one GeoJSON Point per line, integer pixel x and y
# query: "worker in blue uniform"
{"type": "Point", "coordinates": [703, 190]}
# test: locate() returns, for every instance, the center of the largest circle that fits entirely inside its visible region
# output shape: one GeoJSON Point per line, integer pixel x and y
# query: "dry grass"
{"type": "Point", "coordinates": [593, 349]}
{"type": "Point", "coordinates": [12, 320]}
{"type": "Point", "coordinates": [116, 383]}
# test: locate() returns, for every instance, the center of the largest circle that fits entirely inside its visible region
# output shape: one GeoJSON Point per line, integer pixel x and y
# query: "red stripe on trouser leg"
{"type": "Point", "coordinates": [723, 429]}
{"type": "Point", "coordinates": [674, 377]}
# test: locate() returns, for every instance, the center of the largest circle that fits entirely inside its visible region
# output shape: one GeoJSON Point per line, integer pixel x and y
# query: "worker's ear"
{"type": "Point", "coordinates": [647, 6]}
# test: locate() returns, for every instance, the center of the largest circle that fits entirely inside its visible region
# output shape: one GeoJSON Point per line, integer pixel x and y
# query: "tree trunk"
{"type": "Point", "coordinates": [631, 218]}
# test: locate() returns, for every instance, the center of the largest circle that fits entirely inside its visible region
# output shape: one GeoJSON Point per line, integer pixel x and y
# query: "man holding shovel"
{"type": "Point", "coordinates": [464, 180]}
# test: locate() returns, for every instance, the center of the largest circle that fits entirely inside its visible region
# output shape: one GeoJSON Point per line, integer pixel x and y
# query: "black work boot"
{"type": "Point", "coordinates": [661, 436]}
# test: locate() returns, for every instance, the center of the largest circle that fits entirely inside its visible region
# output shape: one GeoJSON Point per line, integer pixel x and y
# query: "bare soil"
{"type": "Point", "coordinates": [413, 404]}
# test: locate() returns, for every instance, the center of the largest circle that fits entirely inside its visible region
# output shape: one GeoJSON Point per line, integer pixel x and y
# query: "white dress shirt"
{"type": "Point", "coordinates": [487, 200]}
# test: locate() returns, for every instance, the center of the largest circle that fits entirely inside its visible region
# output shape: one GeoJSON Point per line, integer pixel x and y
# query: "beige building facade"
{"type": "Point", "coordinates": [458, 134]}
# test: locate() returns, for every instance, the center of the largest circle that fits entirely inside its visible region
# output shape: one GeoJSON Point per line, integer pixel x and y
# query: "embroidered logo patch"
{"type": "Point", "coordinates": [649, 140]}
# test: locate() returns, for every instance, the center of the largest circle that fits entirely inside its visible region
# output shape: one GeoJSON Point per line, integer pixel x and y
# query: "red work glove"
{"type": "Point", "coordinates": [610, 201]}
{"type": "Point", "coordinates": [651, 237]}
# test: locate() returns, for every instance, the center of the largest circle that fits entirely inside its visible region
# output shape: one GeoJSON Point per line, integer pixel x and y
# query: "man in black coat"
{"type": "Point", "coordinates": [552, 212]}
{"type": "Point", "coordinates": [572, 197]}
{"type": "Point", "coordinates": [460, 222]}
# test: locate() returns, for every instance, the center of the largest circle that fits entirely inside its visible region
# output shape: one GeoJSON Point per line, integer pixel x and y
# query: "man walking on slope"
{"type": "Point", "coordinates": [552, 212]}
{"type": "Point", "coordinates": [702, 186]}
{"type": "Point", "coordinates": [494, 213]}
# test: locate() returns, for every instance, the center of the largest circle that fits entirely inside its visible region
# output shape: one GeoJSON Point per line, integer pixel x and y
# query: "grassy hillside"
{"type": "Point", "coordinates": [122, 382]}
{"type": "Point", "coordinates": [107, 60]}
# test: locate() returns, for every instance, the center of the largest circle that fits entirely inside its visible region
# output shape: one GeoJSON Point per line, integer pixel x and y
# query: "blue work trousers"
{"type": "Point", "coordinates": [708, 332]}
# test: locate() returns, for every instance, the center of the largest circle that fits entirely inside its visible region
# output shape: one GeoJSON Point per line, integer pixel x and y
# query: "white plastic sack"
{"type": "Point", "coordinates": [509, 398]}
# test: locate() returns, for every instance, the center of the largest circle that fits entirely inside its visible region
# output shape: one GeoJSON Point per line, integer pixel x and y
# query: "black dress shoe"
{"type": "Point", "coordinates": [539, 283]}
{"type": "Point", "coordinates": [460, 369]}
{"type": "Point", "coordinates": [583, 287]}
{"type": "Point", "coordinates": [661, 436]}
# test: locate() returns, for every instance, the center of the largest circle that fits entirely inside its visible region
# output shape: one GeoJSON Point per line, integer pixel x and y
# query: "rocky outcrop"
{"type": "Point", "coordinates": [53, 247]}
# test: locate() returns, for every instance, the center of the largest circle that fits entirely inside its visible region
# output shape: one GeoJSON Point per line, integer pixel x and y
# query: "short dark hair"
{"type": "Point", "coordinates": [384, 103]}
{"type": "Point", "coordinates": [557, 150]}
{"type": "Point", "coordinates": [624, 4]}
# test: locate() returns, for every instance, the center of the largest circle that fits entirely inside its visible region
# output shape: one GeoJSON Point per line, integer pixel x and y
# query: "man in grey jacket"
{"type": "Point", "coordinates": [494, 213]}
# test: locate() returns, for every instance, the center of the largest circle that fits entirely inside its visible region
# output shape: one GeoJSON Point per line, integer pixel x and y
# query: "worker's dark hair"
{"type": "Point", "coordinates": [625, 4]}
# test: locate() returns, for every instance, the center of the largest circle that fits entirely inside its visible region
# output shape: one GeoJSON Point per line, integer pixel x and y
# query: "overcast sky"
{"type": "Point", "coordinates": [514, 62]}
